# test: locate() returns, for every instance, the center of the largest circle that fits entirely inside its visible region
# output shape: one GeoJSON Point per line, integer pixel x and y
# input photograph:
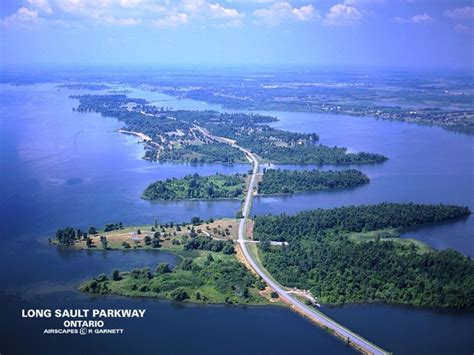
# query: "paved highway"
{"type": "Point", "coordinates": [309, 312]}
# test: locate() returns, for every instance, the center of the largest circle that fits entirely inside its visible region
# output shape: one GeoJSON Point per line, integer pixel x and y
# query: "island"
{"type": "Point", "coordinates": [277, 181]}
{"type": "Point", "coordinates": [272, 182]}
{"type": "Point", "coordinates": [218, 186]}
{"type": "Point", "coordinates": [354, 254]}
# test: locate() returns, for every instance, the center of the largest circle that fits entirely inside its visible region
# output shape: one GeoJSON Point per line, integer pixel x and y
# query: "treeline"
{"type": "Point", "coordinates": [196, 187]}
{"type": "Point", "coordinates": [113, 226]}
{"type": "Point", "coordinates": [214, 281]}
{"type": "Point", "coordinates": [288, 181]}
{"type": "Point", "coordinates": [337, 270]}
{"type": "Point", "coordinates": [69, 235]}
{"type": "Point", "coordinates": [314, 154]}
{"type": "Point", "coordinates": [354, 218]}
{"type": "Point", "coordinates": [207, 243]}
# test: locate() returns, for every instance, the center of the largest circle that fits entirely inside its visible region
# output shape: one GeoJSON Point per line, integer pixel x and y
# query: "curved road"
{"type": "Point", "coordinates": [309, 312]}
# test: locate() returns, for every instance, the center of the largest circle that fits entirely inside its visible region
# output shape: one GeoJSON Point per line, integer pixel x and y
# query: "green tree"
{"type": "Point", "coordinates": [104, 242]}
{"type": "Point", "coordinates": [179, 294]}
{"type": "Point", "coordinates": [116, 275]}
{"type": "Point", "coordinates": [163, 268]}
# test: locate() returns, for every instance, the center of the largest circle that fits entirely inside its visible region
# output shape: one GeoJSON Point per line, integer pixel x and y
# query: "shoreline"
{"type": "Point", "coordinates": [143, 136]}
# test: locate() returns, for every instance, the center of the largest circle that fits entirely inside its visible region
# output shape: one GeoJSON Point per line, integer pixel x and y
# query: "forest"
{"type": "Point", "coordinates": [197, 187]}
{"type": "Point", "coordinates": [337, 269]}
{"type": "Point", "coordinates": [276, 181]}
{"type": "Point", "coordinates": [215, 280]}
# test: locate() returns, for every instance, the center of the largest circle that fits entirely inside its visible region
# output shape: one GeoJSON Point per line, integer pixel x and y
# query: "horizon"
{"type": "Point", "coordinates": [367, 34]}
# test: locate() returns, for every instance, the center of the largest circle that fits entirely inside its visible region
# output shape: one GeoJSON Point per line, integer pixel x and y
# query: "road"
{"type": "Point", "coordinates": [299, 306]}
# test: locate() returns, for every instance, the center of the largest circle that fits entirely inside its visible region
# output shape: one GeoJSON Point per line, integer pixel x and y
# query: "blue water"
{"type": "Point", "coordinates": [63, 168]}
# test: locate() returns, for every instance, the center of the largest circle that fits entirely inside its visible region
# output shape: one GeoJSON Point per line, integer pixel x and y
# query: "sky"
{"type": "Point", "coordinates": [336, 33]}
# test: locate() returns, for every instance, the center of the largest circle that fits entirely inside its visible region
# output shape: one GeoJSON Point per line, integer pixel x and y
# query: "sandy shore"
{"type": "Point", "coordinates": [143, 136]}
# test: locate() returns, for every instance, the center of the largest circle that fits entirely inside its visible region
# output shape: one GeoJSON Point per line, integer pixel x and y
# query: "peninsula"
{"type": "Point", "coordinates": [184, 135]}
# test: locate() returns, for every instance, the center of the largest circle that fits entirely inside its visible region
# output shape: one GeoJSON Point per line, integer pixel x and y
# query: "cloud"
{"type": "Point", "coordinates": [23, 17]}
{"type": "Point", "coordinates": [466, 12]}
{"type": "Point", "coordinates": [417, 19]}
{"type": "Point", "coordinates": [252, 1]}
{"type": "Point", "coordinates": [462, 28]}
{"type": "Point", "coordinates": [219, 11]}
{"type": "Point", "coordinates": [128, 21]}
{"type": "Point", "coordinates": [342, 15]}
{"type": "Point", "coordinates": [304, 13]}
{"type": "Point", "coordinates": [41, 5]}
{"type": "Point", "coordinates": [363, 2]}
{"type": "Point", "coordinates": [172, 20]}
{"type": "Point", "coordinates": [130, 3]}
{"type": "Point", "coordinates": [282, 11]}
{"type": "Point", "coordinates": [158, 13]}
{"type": "Point", "coordinates": [424, 18]}
{"type": "Point", "coordinates": [193, 6]}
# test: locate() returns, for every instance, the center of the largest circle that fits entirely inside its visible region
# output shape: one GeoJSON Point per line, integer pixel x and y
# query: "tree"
{"type": "Point", "coordinates": [163, 268]}
{"type": "Point", "coordinates": [228, 249]}
{"type": "Point", "coordinates": [126, 245]}
{"type": "Point", "coordinates": [92, 230]}
{"type": "Point", "coordinates": [147, 240]}
{"type": "Point", "coordinates": [187, 264]}
{"type": "Point", "coordinates": [89, 243]}
{"type": "Point", "coordinates": [102, 278]}
{"type": "Point", "coordinates": [195, 220]}
{"type": "Point", "coordinates": [139, 231]}
{"type": "Point", "coordinates": [265, 246]}
{"type": "Point", "coordinates": [179, 294]}
{"type": "Point", "coordinates": [66, 236]}
{"type": "Point", "coordinates": [155, 243]}
{"type": "Point", "coordinates": [116, 275]}
{"type": "Point", "coordinates": [104, 242]}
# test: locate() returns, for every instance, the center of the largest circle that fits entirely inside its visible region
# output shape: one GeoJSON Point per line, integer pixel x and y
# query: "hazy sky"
{"type": "Point", "coordinates": [397, 33]}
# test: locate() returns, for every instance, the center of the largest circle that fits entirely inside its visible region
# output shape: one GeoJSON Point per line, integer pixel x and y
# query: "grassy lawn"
{"type": "Point", "coordinates": [390, 234]}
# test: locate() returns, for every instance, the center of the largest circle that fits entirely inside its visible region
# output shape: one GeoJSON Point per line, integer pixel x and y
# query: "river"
{"type": "Point", "coordinates": [65, 168]}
